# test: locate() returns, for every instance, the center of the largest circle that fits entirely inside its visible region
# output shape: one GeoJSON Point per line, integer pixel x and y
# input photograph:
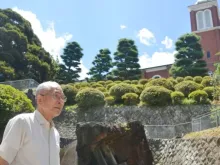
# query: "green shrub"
{"type": "Point", "coordinates": [207, 82]}
{"type": "Point", "coordinates": [177, 97]}
{"type": "Point", "coordinates": [118, 90]}
{"type": "Point", "coordinates": [101, 82]}
{"type": "Point", "coordinates": [102, 89]}
{"type": "Point", "coordinates": [179, 79]}
{"type": "Point", "coordinates": [89, 97]}
{"type": "Point", "coordinates": [197, 79]}
{"type": "Point", "coordinates": [108, 82]}
{"type": "Point", "coordinates": [130, 99]}
{"type": "Point", "coordinates": [117, 82]}
{"type": "Point", "coordinates": [70, 92]}
{"type": "Point", "coordinates": [188, 78]}
{"type": "Point", "coordinates": [12, 101]}
{"type": "Point", "coordinates": [160, 82]}
{"type": "Point", "coordinates": [187, 101]}
{"type": "Point", "coordinates": [84, 84]}
{"type": "Point", "coordinates": [172, 80]}
{"type": "Point", "coordinates": [139, 88]}
{"type": "Point", "coordinates": [156, 95]}
{"type": "Point", "coordinates": [210, 92]}
{"type": "Point", "coordinates": [134, 82]}
{"type": "Point", "coordinates": [96, 85]}
{"type": "Point", "coordinates": [110, 100]}
{"type": "Point", "coordinates": [143, 81]}
{"type": "Point", "coordinates": [206, 77]}
{"type": "Point", "coordinates": [106, 94]}
{"type": "Point", "coordinates": [110, 85]}
{"type": "Point", "coordinates": [127, 81]}
{"type": "Point", "coordinates": [186, 87]}
{"type": "Point", "coordinates": [199, 96]}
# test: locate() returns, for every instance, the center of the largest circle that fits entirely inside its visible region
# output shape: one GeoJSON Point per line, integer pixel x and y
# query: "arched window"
{"type": "Point", "coordinates": [200, 20]}
{"type": "Point", "coordinates": [208, 18]}
{"type": "Point", "coordinates": [156, 76]}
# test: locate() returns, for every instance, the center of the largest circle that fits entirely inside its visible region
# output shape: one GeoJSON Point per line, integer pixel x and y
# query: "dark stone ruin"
{"type": "Point", "coordinates": [105, 144]}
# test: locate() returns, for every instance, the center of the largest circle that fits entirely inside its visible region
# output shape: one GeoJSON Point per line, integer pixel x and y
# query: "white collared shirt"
{"type": "Point", "coordinates": [29, 139]}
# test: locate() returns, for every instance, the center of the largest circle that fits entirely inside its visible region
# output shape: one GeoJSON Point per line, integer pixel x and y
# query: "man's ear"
{"type": "Point", "coordinates": [39, 99]}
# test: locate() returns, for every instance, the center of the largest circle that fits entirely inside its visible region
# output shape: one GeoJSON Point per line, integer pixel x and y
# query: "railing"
{"type": "Point", "coordinates": [202, 122]}
{"type": "Point", "coordinates": [22, 84]}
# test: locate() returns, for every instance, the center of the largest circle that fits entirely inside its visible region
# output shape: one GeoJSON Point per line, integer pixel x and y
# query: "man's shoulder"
{"type": "Point", "coordinates": [22, 117]}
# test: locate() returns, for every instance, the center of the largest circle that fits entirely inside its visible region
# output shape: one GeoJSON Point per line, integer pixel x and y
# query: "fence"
{"type": "Point", "coordinates": [202, 122]}
{"type": "Point", "coordinates": [22, 84]}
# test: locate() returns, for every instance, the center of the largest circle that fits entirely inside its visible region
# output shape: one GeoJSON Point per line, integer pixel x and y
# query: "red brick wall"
{"type": "Point", "coordinates": [163, 73]}
{"type": "Point", "coordinates": [210, 41]}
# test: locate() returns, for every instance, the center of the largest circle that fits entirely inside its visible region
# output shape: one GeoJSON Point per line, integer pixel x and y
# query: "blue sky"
{"type": "Point", "coordinates": [96, 24]}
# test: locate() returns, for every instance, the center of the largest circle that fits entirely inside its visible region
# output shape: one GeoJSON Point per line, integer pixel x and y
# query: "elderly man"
{"type": "Point", "coordinates": [31, 138]}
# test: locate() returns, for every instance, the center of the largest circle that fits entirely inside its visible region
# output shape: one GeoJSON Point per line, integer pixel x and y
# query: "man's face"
{"type": "Point", "coordinates": [52, 101]}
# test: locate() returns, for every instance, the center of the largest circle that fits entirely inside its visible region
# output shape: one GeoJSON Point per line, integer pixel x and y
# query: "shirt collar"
{"type": "Point", "coordinates": [42, 121]}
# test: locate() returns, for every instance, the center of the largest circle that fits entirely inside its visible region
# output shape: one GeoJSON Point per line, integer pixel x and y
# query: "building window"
{"type": "Point", "coordinates": [204, 19]}
{"type": "Point", "coordinates": [208, 54]}
{"type": "Point", "coordinates": [156, 76]}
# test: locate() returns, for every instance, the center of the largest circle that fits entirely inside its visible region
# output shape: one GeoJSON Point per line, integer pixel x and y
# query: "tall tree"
{"type": "Point", "coordinates": [69, 71]}
{"type": "Point", "coordinates": [21, 50]}
{"type": "Point", "coordinates": [102, 65]}
{"type": "Point", "coordinates": [188, 59]}
{"type": "Point", "coordinates": [126, 60]}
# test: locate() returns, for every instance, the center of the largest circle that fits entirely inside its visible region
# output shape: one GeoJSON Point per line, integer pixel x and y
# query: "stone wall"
{"type": "Point", "coordinates": [186, 151]}
{"type": "Point", "coordinates": [169, 115]}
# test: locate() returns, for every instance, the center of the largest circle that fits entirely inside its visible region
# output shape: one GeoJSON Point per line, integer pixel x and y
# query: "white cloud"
{"type": "Point", "coordinates": [167, 42]}
{"type": "Point", "coordinates": [146, 37]}
{"type": "Point", "coordinates": [84, 71]}
{"type": "Point", "coordinates": [157, 59]}
{"type": "Point", "coordinates": [50, 41]}
{"type": "Point", "coordinates": [123, 27]}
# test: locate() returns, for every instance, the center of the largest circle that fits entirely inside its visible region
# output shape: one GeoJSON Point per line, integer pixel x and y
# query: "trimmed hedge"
{"type": "Point", "coordinates": [130, 99]}
{"type": "Point", "coordinates": [210, 92]}
{"type": "Point", "coordinates": [197, 79]}
{"type": "Point", "coordinates": [186, 87]}
{"type": "Point", "coordinates": [143, 81]}
{"type": "Point", "coordinates": [206, 82]}
{"type": "Point", "coordinates": [160, 82]}
{"type": "Point", "coordinates": [199, 96]}
{"type": "Point", "coordinates": [156, 95]}
{"type": "Point", "coordinates": [179, 79]}
{"type": "Point", "coordinates": [177, 97]}
{"type": "Point", "coordinates": [70, 92]}
{"type": "Point", "coordinates": [89, 97]}
{"type": "Point", "coordinates": [188, 78]}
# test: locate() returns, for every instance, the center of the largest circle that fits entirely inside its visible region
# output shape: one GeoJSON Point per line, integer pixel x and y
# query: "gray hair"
{"type": "Point", "coordinates": [48, 85]}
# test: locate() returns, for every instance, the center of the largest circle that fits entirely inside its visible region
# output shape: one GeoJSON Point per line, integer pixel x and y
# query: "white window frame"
{"type": "Point", "coordinates": [203, 19]}
{"type": "Point", "coordinates": [159, 76]}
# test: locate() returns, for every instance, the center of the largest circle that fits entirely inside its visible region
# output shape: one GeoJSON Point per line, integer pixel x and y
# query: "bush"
{"type": "Point", "coordinates": [108, 82]}
{"type": "Point", "coordinates": [96, 85]}
{"type": "Point", "coordinates": [143, 81]}
{"type": "Point", "coordinates": [117, 91]}
{"type": "Point", "coordinates": [206, 77]}
{"type": "Point", "coordinates": [130, 99]}
{"type": "Point", "coordinates": [160, 82]}
{"type": "Point", "coordinates": [172, 80]}
{"type": "Point", "coordinates": [70, 92]}
{"type": "Point", "coordinates": [177, 97]}
{"type": "Point", "coordinates": [197, 79]}
{"type": "Point", "coordinates": [110, 100]}
{"type": "Point", "coordinates": [210, 92]}
{"type": "Point", "coordinates": [102, 89]}
{"type": "Point", "coordinates": [187, 101]}
{"type": "Point", "coordinates": [12, 101]}
{"type": "Point", "coordinates": [186, 87]}
{"type": "Point", "coordinates": [110, 85]}
{"type": "Point", "coordinates": [101, 82]}
{"type": "Point", "coordinates": [127, 81]}
{"type": "Point", "coordinates": [155, 95]}
{"type": "Point", "coordinates": [117, 82]}
{"type": "Point", "coordinates": [207, 82]}
{"type": "Point", "coordinates": [188, 78]}
{"type": "Point", "coordinates": [134, 82]}
{"type": "Point", "coordinates": [199, 96]}
{"type": "Point", "coordinates": [89, 97]}
{"type": "Point", "coordinates": [106, 94]}
{"type": "Point", "coordinates": [179, 79]}
{"type": "Point", "coordinates": [139, 88]}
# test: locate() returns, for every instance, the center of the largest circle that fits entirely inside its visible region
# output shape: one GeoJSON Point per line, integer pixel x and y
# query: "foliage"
{"type": "Point", "coordinates": [7, 72]}
{"type": "Point", "coordinates": [130, 99]}
{"type": "Point", "coordinates": [199, 96]}
{"type": "Point", "coordinates": [188, 59]}
{"type": "Point", "coordinates": [21, 50]}
{"type": "Point", "coordinates": [177, 97]}
{"type": "Point", "coordinates": [101, 65]}
{"type": "Point", "coordinates": [134, 82]}
{"type": "Point", "coordinates": [156, 95]}
{"type": "Point", "coordinates": [70, 92]}
{"type": "Point", "coordinates": [110, 100]}
{"type": "Point", "coordinates": [206, 82]}
{"type": "Point", "coordinates": [89, 97]}
{"type": "Point", "coordinates": [69, 71]}
{"type": "Point", "coordinates": [110, 85]}
{"type": "Point", "coordinates": [102, 89]}
{"type": "Point", "coordinates": [143, 81]}
{"type": "Point", "coordinates": [160, 82]}
{"type": "Point", "coordinates": [118, 90]}
{"type": "Point", "coordinates": [210, 92]}
{"type": "Point", "coordinates": [186, 87]}
{"type": "Point", "coordinates": [197, 79]}
{"type": "Point", "coordinates": [190, 78]}
{"type": "Point", "coordinates": [179, 79]}
{"type": "Point", "coordinates": [126, 60]}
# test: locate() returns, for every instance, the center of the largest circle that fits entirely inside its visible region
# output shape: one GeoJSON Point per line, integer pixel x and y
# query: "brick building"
{"type": "Point", "coordinates": [205, 22]}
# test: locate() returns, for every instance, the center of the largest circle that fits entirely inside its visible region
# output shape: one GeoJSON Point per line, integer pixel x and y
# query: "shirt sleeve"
{"type": "Point", "coordinates": [12, 139]}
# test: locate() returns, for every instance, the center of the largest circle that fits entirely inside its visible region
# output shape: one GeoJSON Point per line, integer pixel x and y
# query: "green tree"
{"type": "Point", "coordinates": [21, 50]}
{"type": "Point", "coordinates": [69, 71]}
{"type": "Point", "coordinates": [102, 65]}
{"type": "Point", "coordinates": [126, 60]}
{"type": "Point", "coordinates": [188, 59]}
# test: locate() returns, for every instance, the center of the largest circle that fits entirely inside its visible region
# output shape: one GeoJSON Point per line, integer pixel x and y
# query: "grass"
{"type": "Point", "coordinates": [214, 132]}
